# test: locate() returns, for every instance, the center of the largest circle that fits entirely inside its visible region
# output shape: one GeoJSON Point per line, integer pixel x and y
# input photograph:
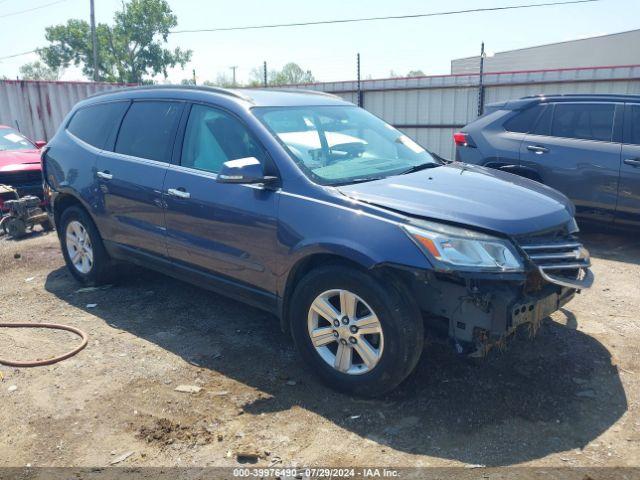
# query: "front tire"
{"type": "Point", "coordinates": [359, 334]}
{"type": "Point", "coordinates": [82, 248]}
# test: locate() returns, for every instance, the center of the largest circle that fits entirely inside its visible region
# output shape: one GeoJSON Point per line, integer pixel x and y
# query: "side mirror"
{"type": "Point", "coordinates": [40, 143]}
{"type": "Point", "coordinates": [243, 170]}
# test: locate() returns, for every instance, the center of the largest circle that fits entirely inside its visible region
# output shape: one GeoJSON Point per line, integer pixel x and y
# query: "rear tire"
{"type": "Point", "coordinates": [382, 358]}
{"type": "Point", "coordinates": [82, 248]}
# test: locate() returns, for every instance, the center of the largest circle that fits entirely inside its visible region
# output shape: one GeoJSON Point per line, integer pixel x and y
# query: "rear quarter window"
{"type": "Point", "coordinates": [524, 121]}
{"type": "Point", "coordinates": [95, 124]}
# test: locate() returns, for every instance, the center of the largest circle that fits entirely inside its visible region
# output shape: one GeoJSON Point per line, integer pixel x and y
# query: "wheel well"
{"type": "Point", "coordinates": [303, 267]}
{"type": "Point", "coordinates": [62, 202]}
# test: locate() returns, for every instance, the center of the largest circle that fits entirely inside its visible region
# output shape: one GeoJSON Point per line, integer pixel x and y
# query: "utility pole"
{"type": "Point", "coordinates": [481, 82]}
{"type": "Point", "coordinates": [233, 69]}
{"type": "Point", "coordinates": [94, 41]}
{"type": "Point", "coordinates": [360, 102]}
{"type": "Point", "coordinates": [264, 74]}
{"type": "Point", "coordinates": [193, 72]}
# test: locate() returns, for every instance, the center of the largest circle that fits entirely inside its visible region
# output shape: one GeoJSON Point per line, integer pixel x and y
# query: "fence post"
{"type": "Point", "coordinates": [360, 99]}
{"type": "Point", "coordinates": [264, 74]}
{"type": "Point", "coordinates": [481, 82]}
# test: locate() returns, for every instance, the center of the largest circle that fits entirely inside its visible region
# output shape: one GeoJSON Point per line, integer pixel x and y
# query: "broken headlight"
{"type": "Point", "coordinates": [454, 248]}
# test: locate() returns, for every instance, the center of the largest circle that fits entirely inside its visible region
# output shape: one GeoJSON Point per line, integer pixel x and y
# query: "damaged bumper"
{"type": "Point", "coordinates": [480, 310]}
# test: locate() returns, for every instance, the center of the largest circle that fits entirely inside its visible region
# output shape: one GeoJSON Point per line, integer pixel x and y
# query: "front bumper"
{"type": "Point", "coordinates": [481, 311]}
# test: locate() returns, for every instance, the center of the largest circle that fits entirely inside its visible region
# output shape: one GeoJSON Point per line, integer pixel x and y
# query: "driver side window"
{"type": "Point", "coordinates": [213, 137]}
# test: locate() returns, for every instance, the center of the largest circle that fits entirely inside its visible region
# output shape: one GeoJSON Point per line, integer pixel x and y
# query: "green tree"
{"type": "Point", "coordinates": [128, 51]}
{"type": "Point", "coordinates": [38, 71]}
{"type": "Point", "coordinates": [222, 80]}
{"type": "Point", "coordinates": [415, 73]}
{"type": "Point", "coordinates": [291, 74]}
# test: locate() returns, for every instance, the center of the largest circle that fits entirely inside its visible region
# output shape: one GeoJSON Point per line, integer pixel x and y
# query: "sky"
{"type": "Point", "coordinates": [329, 51]}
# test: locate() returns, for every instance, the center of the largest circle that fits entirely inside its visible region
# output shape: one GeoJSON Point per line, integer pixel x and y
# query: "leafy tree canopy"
{"type": "Point", "coordinates": [128, 50]}
{"type": "Point", "coordinates": [38, 71]}
{"type": "Point", "coordinates": [291, 74]}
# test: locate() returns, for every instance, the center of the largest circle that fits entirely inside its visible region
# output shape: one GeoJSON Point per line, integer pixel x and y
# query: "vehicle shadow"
{"type": "Point", "coordinates": [617, 245]}
{"type": "Point", "coordinates": [552, 393]}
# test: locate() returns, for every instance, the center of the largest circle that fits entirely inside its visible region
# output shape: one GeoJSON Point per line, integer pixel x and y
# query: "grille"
{"type": "Point", "coordinates": [560, 260]}
{"type": "Point", "coordinates": [21, 179]}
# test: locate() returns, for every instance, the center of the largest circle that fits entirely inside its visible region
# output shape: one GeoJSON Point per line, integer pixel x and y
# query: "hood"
{"type": "Point", "coordinates": [12, 160]}
{"type": "Point", "coordinates": [469, 195]}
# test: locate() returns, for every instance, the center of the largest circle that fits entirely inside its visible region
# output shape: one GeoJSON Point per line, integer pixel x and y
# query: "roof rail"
{"type": "Point", "coordinates": [305, 91]}
{"type": "Point", "coordinates": [605, 95]}
{"type": "Point", "coordinates": [206, 88]}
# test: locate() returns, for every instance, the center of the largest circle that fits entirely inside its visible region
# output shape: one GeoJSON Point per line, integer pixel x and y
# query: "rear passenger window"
{"type": "Point", "coordinates": [148, 130]}
{"type": "Point", "coordinates": [96, 123]}
{"type": "Point", "coordinates": [524, 121]}
{"type": "Point", "coordinates": [584, 121]}
{"type": "Point", "coordinates": [632, 125]}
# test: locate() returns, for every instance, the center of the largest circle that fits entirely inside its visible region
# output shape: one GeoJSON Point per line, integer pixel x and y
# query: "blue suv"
{"type": "Point", "coordinates": [586, 146]}
{"type": "Point", "coordinates": [313, 209]}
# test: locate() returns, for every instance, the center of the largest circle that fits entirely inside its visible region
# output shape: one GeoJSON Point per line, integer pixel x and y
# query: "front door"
{"type": "Point", "coordinates": [628, 211]}
{"type": "Point", "coordinates": [224, 230]}
{"type": "Point", "coordinates": [575, 151]}
{"type": "Point", "coordinates": [130, 177]}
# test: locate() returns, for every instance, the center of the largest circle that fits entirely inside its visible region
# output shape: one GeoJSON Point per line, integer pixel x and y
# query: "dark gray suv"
{"type": "Point", "coordinates": [586, 146]}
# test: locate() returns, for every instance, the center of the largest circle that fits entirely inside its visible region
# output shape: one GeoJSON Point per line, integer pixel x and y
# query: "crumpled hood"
{"type": "Point", "coordinates": [11, 160]}
{"type": "Point", "coordinates": [469, 195]}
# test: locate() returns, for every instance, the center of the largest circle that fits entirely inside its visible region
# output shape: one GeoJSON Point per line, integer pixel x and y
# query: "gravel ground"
{"type": "Point", "coordinates": [568, 397]}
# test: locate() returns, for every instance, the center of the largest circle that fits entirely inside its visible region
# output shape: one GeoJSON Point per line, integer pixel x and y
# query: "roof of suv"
{"type": "Point", "coordinates": [255, 96]}
{"type": "Point", "coordinates": [524, 102]}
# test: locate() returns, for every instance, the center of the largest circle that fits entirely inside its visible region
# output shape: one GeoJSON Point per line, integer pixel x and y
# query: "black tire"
{"type": "Point", "coordinates": [102, 270]}
{"type": "Point", "coordinates": [16, 228]}
{"type": "Point", "coordinates": [399, 317]}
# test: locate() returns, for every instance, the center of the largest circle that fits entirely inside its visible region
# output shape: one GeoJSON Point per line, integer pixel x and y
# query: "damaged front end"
{"type": "Point", "coordinates": [480, 310]}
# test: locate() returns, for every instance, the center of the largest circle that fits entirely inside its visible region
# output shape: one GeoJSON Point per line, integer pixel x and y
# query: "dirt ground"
{"type": "Point", "coordinates": [568, 397]}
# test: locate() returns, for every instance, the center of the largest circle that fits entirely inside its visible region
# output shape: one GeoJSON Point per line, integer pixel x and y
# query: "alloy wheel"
{"type": "Point", "coordinates": [79, 247]}
{"type": "Point", "coordinates": [345, 332]}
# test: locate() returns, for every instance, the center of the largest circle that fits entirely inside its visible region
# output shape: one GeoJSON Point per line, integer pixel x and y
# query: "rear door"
{"type": "Point", "coordinates": [628, 211]}
{"type": "Point", "coordinates": [576, 148]}
{"type": "Point", "coordinates": [130, 175]}
{"type": "Point", "coordinates": [225, 230]}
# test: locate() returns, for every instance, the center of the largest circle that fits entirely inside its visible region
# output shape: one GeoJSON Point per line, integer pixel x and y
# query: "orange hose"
{"type": "Point", "coordinates": [53, 326]}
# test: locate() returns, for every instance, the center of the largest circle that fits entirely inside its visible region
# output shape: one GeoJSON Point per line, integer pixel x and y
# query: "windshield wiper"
{"type": "Point", "coordinates": [357, 180]}
{"type": "Point", "coordinates": [417, 168]}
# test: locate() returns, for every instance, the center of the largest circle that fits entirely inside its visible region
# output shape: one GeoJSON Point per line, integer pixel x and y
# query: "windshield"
{"type": "Point", "coordinates": [11, 139]}
{"type": "Point", "coordinates": [343, 144]}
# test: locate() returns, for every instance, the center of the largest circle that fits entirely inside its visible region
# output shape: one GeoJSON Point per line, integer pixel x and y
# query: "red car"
{"type": "Point", "coordinates": [19, 163]}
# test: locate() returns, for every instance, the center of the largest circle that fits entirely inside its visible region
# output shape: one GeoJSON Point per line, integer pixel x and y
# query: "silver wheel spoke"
{"type": "Point", "coordinates": [368, 354]}
{"type": "Point", "coordinates": [348, 303]}
{"type": "Point", "coordinates": [325, 309]}
{"type": "Point", "coordinates": [368, 325]}
{"type": "Point", "coordinates": [76, 256]}
{"type": "Point", "coordinates": [343, 358]}
{"type": "Point", "coordinates": [322, 336]}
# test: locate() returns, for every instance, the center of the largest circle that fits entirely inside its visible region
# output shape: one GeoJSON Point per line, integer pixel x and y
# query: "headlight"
{"type": "Point", "coordinates": [453, 248]}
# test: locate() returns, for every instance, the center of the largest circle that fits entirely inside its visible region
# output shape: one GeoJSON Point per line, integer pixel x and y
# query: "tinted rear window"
{"type": "Point", "coordinates": [96, 123]}
{"type": "Point", "coordinates": [148, 129]}
{"type": "Point", "coordinates": [583, 120]}
{"type": "Point", "coordinates": [524, 121]}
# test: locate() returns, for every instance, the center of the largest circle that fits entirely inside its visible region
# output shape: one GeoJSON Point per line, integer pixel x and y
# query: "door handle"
{"type": "Point", "coordinates": [105, 175]}
{"type": "Point", "coordinates": [634, 162]}
{"type": "Point", "coordinates": [537, 150]}
{"type": "Point", "coordinates": [179, 193]}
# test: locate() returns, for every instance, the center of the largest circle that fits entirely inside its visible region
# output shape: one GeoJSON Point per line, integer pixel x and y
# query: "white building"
{"type": "Point", "coordinates": [606, 50]}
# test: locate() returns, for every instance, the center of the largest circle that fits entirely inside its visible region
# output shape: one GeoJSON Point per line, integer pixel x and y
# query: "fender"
{"type": "Point", "coordinates": [348, 250]}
